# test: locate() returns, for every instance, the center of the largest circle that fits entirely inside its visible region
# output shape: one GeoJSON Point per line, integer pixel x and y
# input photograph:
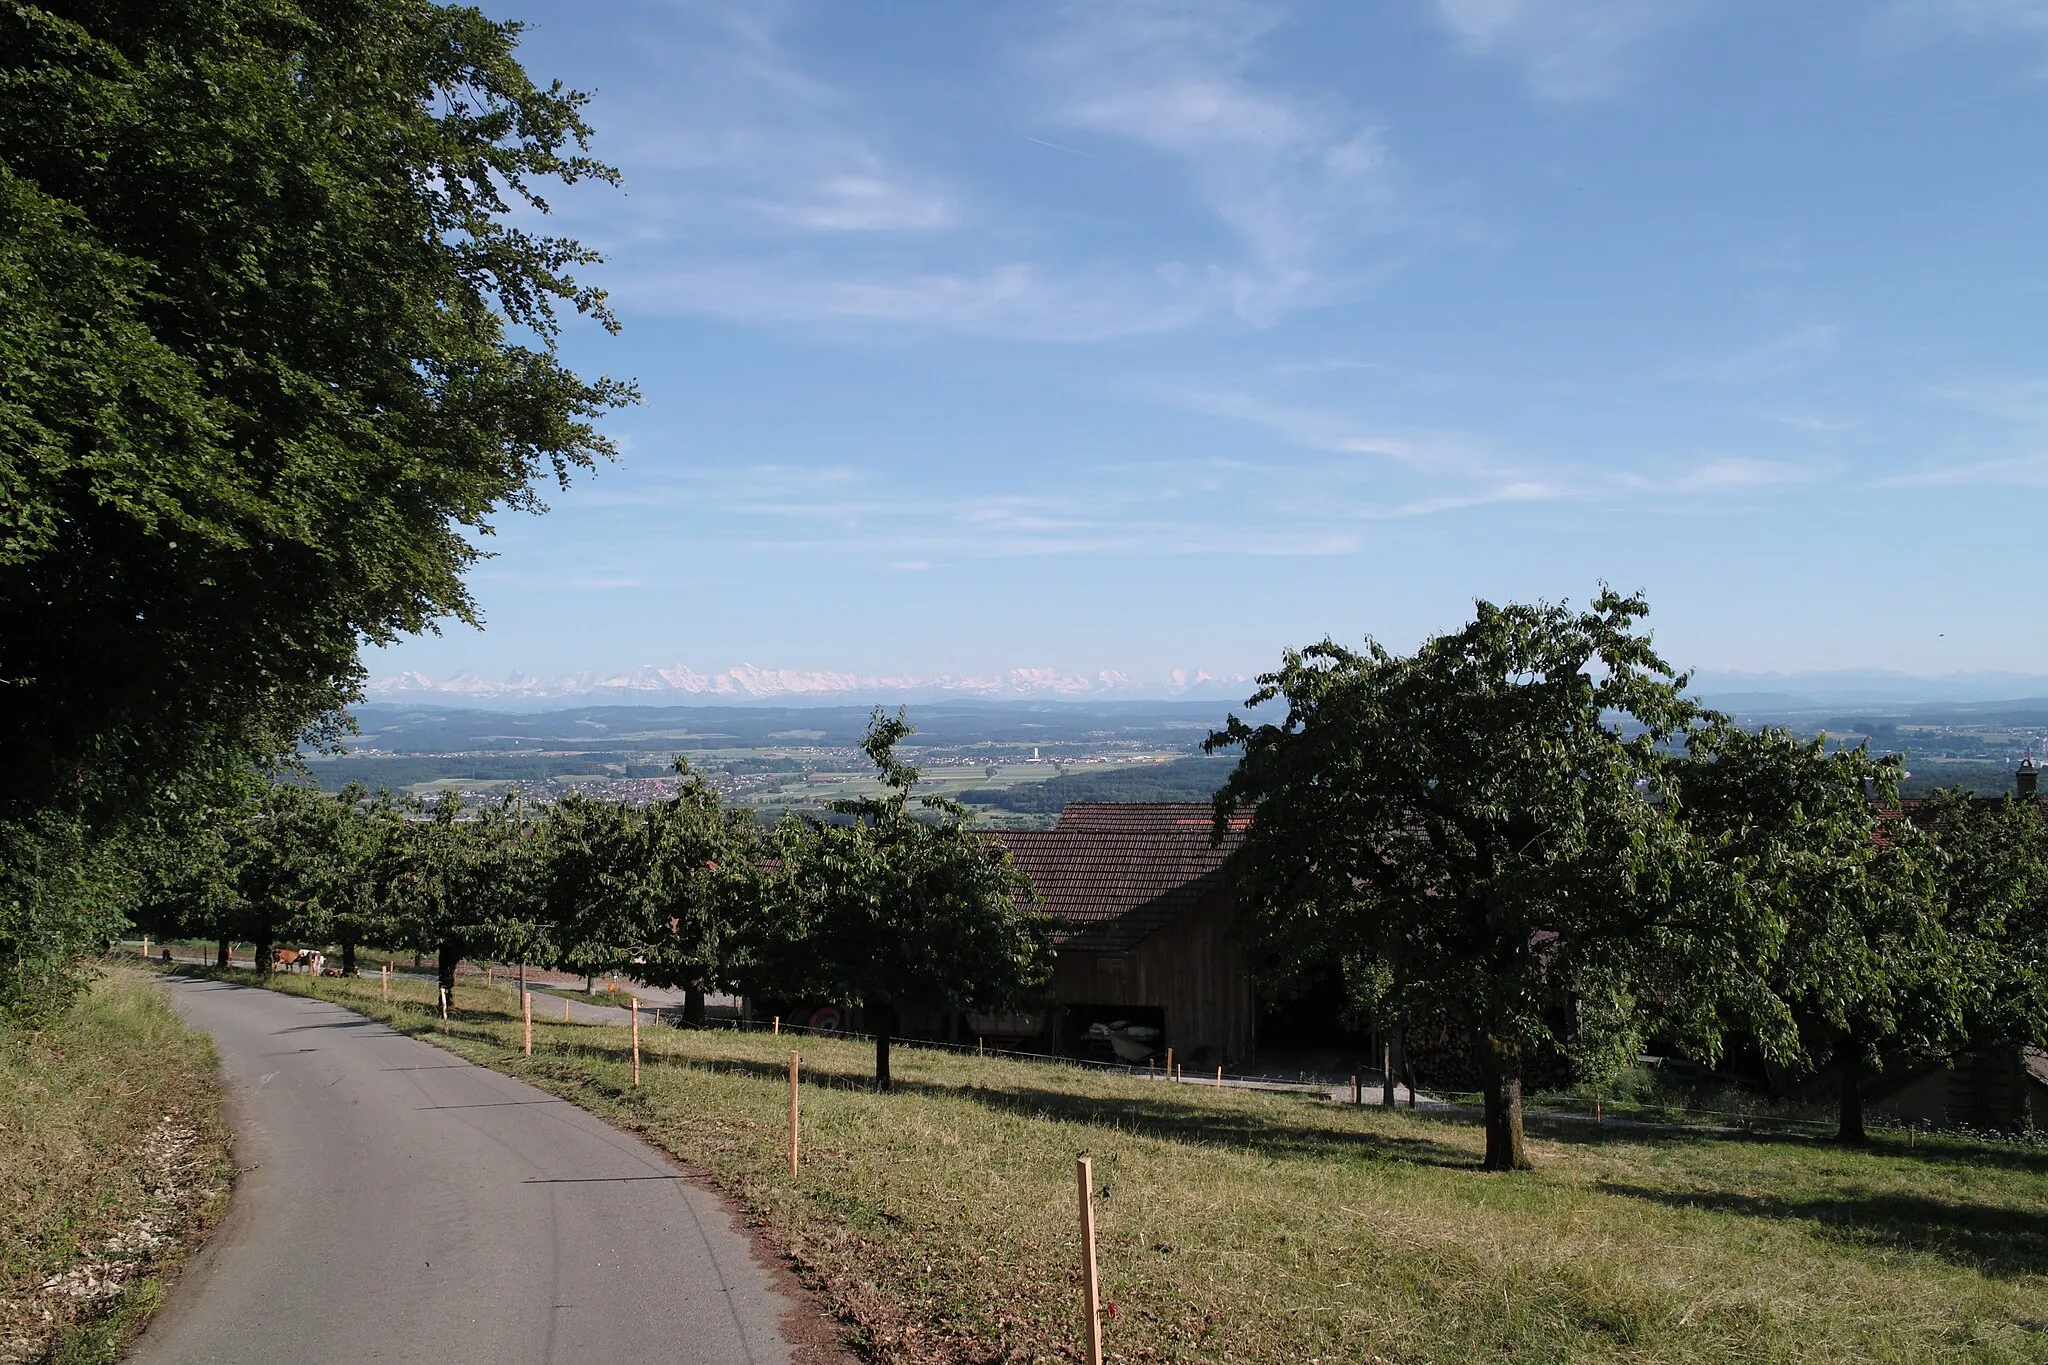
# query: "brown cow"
{"type": "Point", "coordinates": [286, 958]}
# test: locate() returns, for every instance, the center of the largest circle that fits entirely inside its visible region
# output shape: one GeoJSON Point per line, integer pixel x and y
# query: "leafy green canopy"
{"type": "Point", "coordinates": [1845, 884]}
{"type": "Point", "coordinates": [1993, 873]}
{"type": "Point", "coordinates": [1476, 828]}
{"type": "Point", "coordinates": [274, 352]}
{"type": "Point", "coordinates": [882, 908]}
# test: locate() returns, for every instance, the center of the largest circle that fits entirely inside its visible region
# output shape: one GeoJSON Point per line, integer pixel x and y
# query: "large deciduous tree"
{"type": "Point", "coordinates": [887, 905]}
{"type": "Point", "coordinates": [1865, 964]}
{"type": "Point", "coordinates": [703, 896]}
{"type": "Point", "coordinates": [1993, 878]}
{"type": "Point", "coordinates": [457, 885]}
{"type": "Point", "coordinates": [1476, 830]}
{"type": "Point", "coordinates": [276, 347]}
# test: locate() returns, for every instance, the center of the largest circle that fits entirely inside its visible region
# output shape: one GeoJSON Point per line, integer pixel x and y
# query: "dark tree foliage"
{"type": "Point", "coordinates": [704, 894]}
{"type": "Point", "coordinates": [459, 887]}
{"type": "Point", "coordinates": [1993, 878]}
{"type": "Point", "coordinates": [1864, 961]}
{"type": "Point", "coordinates": [62, 893]}
{"type": "Point", "coordinates": [274, 351]}
{"type": "Point", "coordinates": [672, 894]}
{"type": "Point", "coordinates": [881, 908]}
{"type": "Point", "coordinates": [594, 875]}
{"type": "Point", "coordinates": [1474, 829]}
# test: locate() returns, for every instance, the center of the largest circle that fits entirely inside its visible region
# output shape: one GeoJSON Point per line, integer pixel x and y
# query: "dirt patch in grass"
{"type": "Point", "coordinates": [939, 1221]}
{"type": "Point", "coordinates": [115, 1161]}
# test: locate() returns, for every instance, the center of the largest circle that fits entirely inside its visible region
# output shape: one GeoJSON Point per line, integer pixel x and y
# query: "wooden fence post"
{"type": "Point", "coordinates": [444, 1004]}
{"type": "Point", "coordinates": [384, 983]}
{"type": "Point", "coordinates": [1219, 1078]}
{"type": "Point", "coordinates": [1597, 1116]}
{"type": "Point", "coordinates": [1169, 1064]}
{"type": "Point", "coordinates": [795, 1062]}
{"type": "Point", "coordinates": [1357, 1091]}
{"type": "Point", "coordinates": [636, 1040]}
{"type": "Point", "coordinates": [526, 1018]}
{"type": "Point", "coordinates": [1091, 1289]}
{"type": "Point", "coordinates": [145, 945]}
{"type": "Point", "coordinates": [776, 1027]}
{"type": "Point", "coordinates": [565, 1009]}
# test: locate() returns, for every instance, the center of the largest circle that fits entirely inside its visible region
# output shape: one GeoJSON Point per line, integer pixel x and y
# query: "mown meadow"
{"type": "Point", "coordinates": [938, 1222]}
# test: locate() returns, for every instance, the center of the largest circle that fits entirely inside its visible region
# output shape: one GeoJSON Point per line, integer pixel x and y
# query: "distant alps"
{"type": "Point", "coordinates": [681, 684]}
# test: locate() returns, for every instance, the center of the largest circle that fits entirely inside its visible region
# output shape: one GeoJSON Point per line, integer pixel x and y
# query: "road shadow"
{"type": "Point", "coordinates": [1996, 1240]}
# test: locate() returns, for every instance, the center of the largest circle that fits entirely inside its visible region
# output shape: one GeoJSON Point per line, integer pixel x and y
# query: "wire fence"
{"type": "Point", "coordinates": [1576, 1109]}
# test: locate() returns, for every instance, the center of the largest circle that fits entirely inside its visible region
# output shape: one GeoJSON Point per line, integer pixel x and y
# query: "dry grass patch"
{"type": "Point", "coordinates": [115, 1159]}
{"type": "Point", "coordinates": [1241, 1226]}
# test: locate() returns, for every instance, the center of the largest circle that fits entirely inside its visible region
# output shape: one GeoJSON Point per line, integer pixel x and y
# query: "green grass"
{"type": "Point", "coordinates": [115, 1159]}
{"type": "Point", "coordinates": [1235, 1226]}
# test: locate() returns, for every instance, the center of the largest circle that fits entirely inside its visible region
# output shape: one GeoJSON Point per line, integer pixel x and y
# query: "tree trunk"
{"type": "Point", "coordinates": [1848, 1071]}
{"type": "Point", "coordinates": [1500, 1067]}
{"type": "Point", "coordinates": [882, 1020]}
{"type": "Point", "coordinates": [348, 958]}
{"type": "Point", "coordinates": [445, 959]}
{"type": "Point", "coordinates": [222, 959]}
{"type": "Point", "coordinates": [264, 945]}
{"type": "Point", "coordinates": [693, 1008]}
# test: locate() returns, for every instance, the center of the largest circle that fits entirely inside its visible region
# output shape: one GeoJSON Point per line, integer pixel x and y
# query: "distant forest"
{"type": "Point", "coordinates": [1184, 779]}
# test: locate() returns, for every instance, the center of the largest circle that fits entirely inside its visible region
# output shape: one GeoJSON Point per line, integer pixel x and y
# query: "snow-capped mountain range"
{"type": "Point", "coordinates": [679, 683]}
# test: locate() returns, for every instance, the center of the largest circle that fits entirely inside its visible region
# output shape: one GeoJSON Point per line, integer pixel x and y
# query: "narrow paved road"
{"type": "Point", "coordinates": [405, 1205]}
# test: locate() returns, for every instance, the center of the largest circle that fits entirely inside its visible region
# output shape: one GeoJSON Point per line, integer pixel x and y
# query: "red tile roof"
{"type": "Point", "coordinates": [1121, 870]}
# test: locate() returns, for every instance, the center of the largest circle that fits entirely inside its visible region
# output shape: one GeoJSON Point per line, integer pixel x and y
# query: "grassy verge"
{"type": "Point", "coordinates": [115, 1160]}
{"type": "Point", "coordinates": [1236, 1226]}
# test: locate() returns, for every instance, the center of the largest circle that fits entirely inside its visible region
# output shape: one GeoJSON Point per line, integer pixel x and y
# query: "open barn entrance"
{"type": "Point", "coordinates": [1114, 1033]}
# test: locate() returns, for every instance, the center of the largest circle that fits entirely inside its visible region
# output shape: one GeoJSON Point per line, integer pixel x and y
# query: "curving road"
{"type": "Point", "coordinates": [400, 1204]}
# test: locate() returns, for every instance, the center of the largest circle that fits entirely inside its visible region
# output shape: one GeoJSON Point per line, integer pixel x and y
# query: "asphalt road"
{"type": "Point", "coordinates": [400, 1204]}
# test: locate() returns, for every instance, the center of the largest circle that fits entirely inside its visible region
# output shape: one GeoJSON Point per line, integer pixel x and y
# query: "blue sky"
{"type": "Point", "coordinates": [1139, 336]}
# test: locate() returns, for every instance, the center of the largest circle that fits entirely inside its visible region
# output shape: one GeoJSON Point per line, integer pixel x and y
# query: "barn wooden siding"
{"type": "Point", "coordinates": [1143, 891]}
{"type": "Point", "coordinates": [1190, 969]}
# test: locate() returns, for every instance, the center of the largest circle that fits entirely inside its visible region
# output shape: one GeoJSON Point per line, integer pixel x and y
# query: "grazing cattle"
{"type": "Point", "coordinates": [312, 961]}
{"type": "Point", "coordinates": [286, 958]}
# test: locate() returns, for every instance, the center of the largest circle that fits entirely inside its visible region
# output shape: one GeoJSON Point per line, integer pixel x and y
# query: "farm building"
{"type": "Point", "coordinates": [1142, 890]}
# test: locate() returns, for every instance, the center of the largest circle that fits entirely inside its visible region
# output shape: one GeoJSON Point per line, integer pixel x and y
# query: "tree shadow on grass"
{"type": "Point", "coordinates": [1143, 1116]}
{"type": "Point", "coordinates": [1176, 1122]}
{"type": "Point", "coordinates": [1991, 1239]}
{"type": "Point", "coordinates": [1934, 1150]}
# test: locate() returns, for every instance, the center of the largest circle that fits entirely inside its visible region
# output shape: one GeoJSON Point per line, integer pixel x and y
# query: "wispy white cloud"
{"type": "Point", "coordinates": [1737, 474]}
{"type": "Point", "coordinates": [1786, 353]}
{"type": "Point", "coordinates": [739, 137]}
{"type": "Point", "coordinates": [1566, 49]}
{"type": "Point", "coordinates": [1300, 179]}
{"type": "Point", "coordinates": [1430, 453]}
{"type": "Point", "coordinates": [1017, 299]}
{"type": "Point", "coordinates": [2020, 471]}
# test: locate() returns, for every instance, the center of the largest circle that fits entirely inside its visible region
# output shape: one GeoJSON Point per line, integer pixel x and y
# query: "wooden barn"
{"type": "Point", "coordinates": [1148, 945]}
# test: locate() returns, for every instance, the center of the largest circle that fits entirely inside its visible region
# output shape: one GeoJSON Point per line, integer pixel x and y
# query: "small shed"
{"type": "Point", "coordinates": [1148, 912]}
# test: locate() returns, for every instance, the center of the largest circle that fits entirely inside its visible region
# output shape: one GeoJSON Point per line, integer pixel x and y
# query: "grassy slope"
{"type": "Point", "coordinates": [1248, 1227]}
{"type": "Point", "coordinates": [115, 1157]}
